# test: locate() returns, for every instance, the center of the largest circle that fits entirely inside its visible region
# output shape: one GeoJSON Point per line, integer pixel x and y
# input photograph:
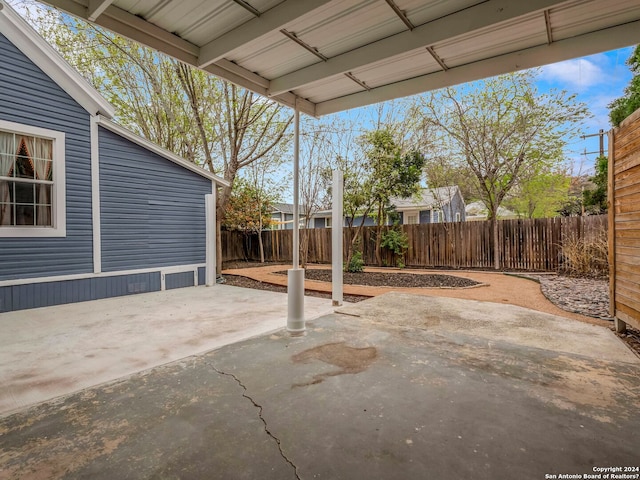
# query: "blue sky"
{"type": "Point", "coordinates": [597, 80]}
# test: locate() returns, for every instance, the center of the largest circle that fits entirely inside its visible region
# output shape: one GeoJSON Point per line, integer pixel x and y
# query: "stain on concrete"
{"type": "Point", "coordinates": [350, 360]}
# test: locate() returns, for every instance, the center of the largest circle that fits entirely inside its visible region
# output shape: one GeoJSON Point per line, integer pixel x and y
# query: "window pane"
{"type": "Point", "coordinates": [6, 164]}
{"type": "Point", "coordinates": [43, 207]}
{"type": "Point", "coordinates": [43, 215]}
{"type": "Point", "coordinates": [24, 167]}
{"type": "Point", "coordinates": [25, 214]}
{"type": "Point", "coordinates": [24, 193]}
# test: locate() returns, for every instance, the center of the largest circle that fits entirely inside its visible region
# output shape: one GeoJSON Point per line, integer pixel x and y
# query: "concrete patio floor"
{"type": "Point", "coordinates": [52, 351]}
{"type": "Point", "coordinates": [399, 386]}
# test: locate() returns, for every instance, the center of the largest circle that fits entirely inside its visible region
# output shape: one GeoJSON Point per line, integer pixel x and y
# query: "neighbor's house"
{"type": "Point", "coordinates": [477, 211]}
{"type": "Point", "coordinates": [88, 210]}
{"type": "Point", "coordinates": [430, 205]}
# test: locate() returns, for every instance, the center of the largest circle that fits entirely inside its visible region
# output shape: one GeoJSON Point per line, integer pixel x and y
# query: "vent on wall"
{"type": "Point", "coordinates": [137, 287]}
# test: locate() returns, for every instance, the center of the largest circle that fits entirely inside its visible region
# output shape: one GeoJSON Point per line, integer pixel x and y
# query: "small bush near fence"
{"type": "Point", "coordinates": [564, 244]}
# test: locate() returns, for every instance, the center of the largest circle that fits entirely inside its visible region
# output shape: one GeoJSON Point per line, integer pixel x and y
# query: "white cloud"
{"type": "Point", "coordinates": [578, 73]}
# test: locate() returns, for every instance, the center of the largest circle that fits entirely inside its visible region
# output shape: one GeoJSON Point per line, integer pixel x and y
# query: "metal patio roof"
{"type": "Point", "coordinates": [332, 55]}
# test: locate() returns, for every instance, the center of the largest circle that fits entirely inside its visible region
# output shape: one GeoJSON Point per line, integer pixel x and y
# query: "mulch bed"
{"type": "Point", "coordinates": [238, 281]}
{"type": "Point", "coordinates": [396, 279]}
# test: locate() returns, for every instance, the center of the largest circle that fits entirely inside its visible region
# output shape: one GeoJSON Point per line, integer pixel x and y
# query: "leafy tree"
{"type": "Point", "coordinates": [541, 195]}
{"type": "Point", "coordinates": [502, 128]}
{"type": "Point", "coordinates": [624, 106]}
{"type": "Point", "coordinates": [391, 174]}
{"type": "Point", "coordinates": [595, 200]}
{"type": "Point", "coordinates": [249, 210]}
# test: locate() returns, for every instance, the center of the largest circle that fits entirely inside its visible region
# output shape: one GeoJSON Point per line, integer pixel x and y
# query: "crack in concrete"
{"type": "Point", "coordinates": [260, 409]}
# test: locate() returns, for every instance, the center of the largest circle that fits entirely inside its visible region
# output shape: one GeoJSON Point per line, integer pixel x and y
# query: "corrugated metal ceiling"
{"type": "Point", "coordinates": [329, 55]}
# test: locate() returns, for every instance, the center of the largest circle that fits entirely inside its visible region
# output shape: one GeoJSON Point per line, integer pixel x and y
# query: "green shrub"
{"type": "Point", "coordinates": [356, 264]}
{"type": "Point", "coordinates": [398, 242]}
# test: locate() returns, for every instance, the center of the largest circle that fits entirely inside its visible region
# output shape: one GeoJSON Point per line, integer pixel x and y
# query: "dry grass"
{"type": "Point", "coordinates": [586, 255]}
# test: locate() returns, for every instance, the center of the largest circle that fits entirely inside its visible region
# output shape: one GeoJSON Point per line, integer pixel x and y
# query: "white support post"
{"type": "Point", "coordinates": [337, 222]}
{"type": "Point", "coordinates": [295, 278]}
{"type": "Point", "coordinates": [210, 238]}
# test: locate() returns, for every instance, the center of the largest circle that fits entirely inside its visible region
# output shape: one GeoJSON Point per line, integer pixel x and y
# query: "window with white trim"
{"type": "Point", "coordinates": [413, 219]}
{"type": "Point", "coordinates": [327, 222]}
{"type": "Point", "coordinates": [31, 181]}
{"type": "Point", "coordinates": [458, 216]}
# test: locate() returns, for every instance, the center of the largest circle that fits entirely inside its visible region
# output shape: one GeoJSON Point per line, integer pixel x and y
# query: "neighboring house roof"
{"type": "Point", "coordinates": [479, 210]}
{"type": "Point", "coordinates": [283, 208]}
{"type": "Point", "coordinates": [45, 57]}
{"type": "Point", "coordinates": [428, 198]}
{"type": "Point", "coordinates": [36, 48]}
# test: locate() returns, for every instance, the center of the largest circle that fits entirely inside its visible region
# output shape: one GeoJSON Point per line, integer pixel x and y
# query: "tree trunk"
{"type": "Point", "coordinates": [304, 247]}
{"type": "Point", "coordinates": [260, 244]}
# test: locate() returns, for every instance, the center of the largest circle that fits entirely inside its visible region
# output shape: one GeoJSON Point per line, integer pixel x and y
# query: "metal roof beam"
{"type": "Point", "coordinates": [272, 20]}
{"type": "Point", "coordinates": [401, 14]}
{"type": "Point", "coordinates": [248, 7]}
{"type": "Point", "coordinates": [547, 22]}
{"type": "Point", "coordinates": [294, 38]}
{"type": "Point", "coordinates": [579, 46]}
{"type": "Point", "coordinates": [437, 58]}
{"type": "Point", "coordinates": [470, 19]}
{"type": "Point", "coordinates": [96, 7]}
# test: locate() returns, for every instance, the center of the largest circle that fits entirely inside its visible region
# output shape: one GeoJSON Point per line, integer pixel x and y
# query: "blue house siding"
{"type": "Point", "coordinates": [178, 280]}
{"type": "Point", "coordinates": [30, 97]}
{"type": "Point", "coordinates": [20, 297]}
{"type": "Point", "coordinates": [457, 206]}
{"type": "Point", "coordinates": [152, 210]}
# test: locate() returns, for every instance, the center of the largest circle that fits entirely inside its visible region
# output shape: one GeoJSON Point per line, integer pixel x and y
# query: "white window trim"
{"type": "Point", "coordinates": [410, 213]}
{"type": "Point", "coordinates": [458, 217]}
{"type": "Point", "coordinates": [327, 222]}
{"type": "Point", "coordinates": [58, 210]}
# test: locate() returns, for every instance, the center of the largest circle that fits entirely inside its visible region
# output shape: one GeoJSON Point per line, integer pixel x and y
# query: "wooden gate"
{"type": "Point", "coordinates": [624, 222]}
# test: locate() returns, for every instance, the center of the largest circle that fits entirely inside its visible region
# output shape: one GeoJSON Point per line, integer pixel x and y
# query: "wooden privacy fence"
{"type": "Point", "coordinates": [534, 245]}
{"type": "Point", "coordinates": [624, 222]}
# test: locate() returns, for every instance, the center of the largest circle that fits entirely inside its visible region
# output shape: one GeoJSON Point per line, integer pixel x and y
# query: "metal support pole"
{"type": "Point", "coordinates": [295, 276]}
{"type": "Point", "coordinates": [296, 189]}
{"type": "Point", "coordinates": [210, 237]}
{"type": "Point", "coordinates": [337, 222]}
